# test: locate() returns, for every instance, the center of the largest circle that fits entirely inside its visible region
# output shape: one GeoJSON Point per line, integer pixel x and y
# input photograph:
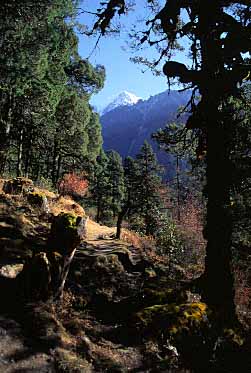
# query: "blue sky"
{"type": "Point", "coordinates": [121, 73]}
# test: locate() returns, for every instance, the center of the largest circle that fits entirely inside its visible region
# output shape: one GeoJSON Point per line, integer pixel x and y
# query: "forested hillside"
{"type": "Point", "coordinates": [47, 124]}
{"type": "Point", "coordinates": [106, 266]}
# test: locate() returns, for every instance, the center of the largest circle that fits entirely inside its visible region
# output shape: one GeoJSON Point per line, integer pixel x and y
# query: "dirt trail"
{"type": "Point", "coordinates": [100, 240]}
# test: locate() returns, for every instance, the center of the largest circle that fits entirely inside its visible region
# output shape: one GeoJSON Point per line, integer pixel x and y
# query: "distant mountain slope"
{"type": "Point", "coordinates": [126, 127]}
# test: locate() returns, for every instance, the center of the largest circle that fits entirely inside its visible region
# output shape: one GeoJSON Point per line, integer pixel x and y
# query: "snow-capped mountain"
{"type": "Point", "coordinates": [125, 127]}
{"type": "Point", "coordinates": [125, 98]}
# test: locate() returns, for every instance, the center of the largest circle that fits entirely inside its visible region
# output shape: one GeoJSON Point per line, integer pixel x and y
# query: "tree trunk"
{"type": "Point", "coordinates": [59, 161]}
{"type": "Point", "coordinates": [121, 216]}
{"type": "Point", "coordinates": [5, 131]}
{"type": "Point", "coordinates": [178, 186]}
{"type": "Point", "coordinates": [20, 153]}
{"type": "Point", "coordinates": [218, 279]}
{"type": "Point", "coordinates": [219, 283]}
{"type": "Point", "coordinates": [54, 163]}
{"type": "Point", "coordinates": [28, 156]}
{"type": "Point", "coordinates": [98, 211]}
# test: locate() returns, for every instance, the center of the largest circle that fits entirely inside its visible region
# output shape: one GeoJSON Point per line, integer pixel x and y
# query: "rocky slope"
{"type": "Point", "coordinates": [79, 333]}
{"type": "Point", "coordinates": [121, 310]}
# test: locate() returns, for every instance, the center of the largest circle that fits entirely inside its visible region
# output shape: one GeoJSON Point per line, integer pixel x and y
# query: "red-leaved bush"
{"type": "Point", "coordinates": [242, 276]}
{"type": "Point", "coordinates": [189, 223]}
{"type": "Point", "coordinates": [73, 185]}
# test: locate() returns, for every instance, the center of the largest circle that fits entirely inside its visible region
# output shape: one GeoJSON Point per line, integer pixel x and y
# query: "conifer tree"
{"type": "Point", "coordinates": [100, 185]}
{"type": "Point", "coordinates": [130, 201]}
{"type": "Point", "coordinates": [149, 183]}
{"type": "Point", "coordinates": [47, 124]}
{"type": "Point", "coordinates": [116, 187]}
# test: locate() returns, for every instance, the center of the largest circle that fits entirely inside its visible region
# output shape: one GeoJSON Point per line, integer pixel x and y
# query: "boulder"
{"type": "Point", "coordinates": [18, 185]}
{"type": "Point", "coordinates": [11, 270]}
{"type": "Point", "coordinates": [67, 231]}
{"type": "Point", "coordinates": [38, 199]}
{"type": "Point", "coordinates": [44, 276]}
{"type": "Point", "coordinates": [186, 327]}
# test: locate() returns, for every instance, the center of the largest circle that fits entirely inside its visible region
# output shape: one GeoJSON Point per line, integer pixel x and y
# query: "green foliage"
{"type": "Point", "coordinates": [241, 170]}
{"type": "Point", "coordinates": [108, 186]}
{"type": "Point", "coordinates": [47, 124]}
{"type": "Point", "coordinates": [172, 318]}
{"type": "Point", "coordinates": [36, 198]}
{"type": "Point", "coordinates": [143, 188]}
{"type": "Point", "coordinates": [99, 184]}
{"type": "Point", "coordinates": [168, 238]}
{"type": "Point", "coordinates": [65, 233]}
{"type": "Point", "coordinates": [116, 187]}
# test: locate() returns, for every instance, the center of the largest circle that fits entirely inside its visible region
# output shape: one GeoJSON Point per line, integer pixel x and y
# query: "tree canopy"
{"type": "Point", "coordinates": [47, 123]}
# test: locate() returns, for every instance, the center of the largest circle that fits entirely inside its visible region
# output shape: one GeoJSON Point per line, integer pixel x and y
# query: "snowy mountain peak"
{"type": "Point", "coordinates": [125, 98]}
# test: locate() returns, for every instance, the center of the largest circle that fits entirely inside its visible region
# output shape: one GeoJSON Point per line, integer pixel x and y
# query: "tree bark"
{"type": "Point", "coordinates": [178, 186]}
{"type": "Point", "coordinates": [54, 163]}
{"type": "Point", "coordinates": [20, 153]}
{"type": "Point", "coordinates": [218, 278]}
{"type": "Point", "coordinates": [6, 121]}
{"type": "Point", "coordinates": [121, 216]}
{"type": "Point", "coordinates": [98, 210]}
{"type": "Point", "coordinates": [219, 282]}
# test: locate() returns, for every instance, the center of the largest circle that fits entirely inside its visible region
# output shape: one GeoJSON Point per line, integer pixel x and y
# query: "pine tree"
{"type": "Point", "coordinates": [130, 201]}
{"type": "Point", "coordinates": [116, 187]}
{"type": "Point", "coordinates": [47, 122]}
{"type": "Point", "coordinates": [149, 183]}
{"type": "Point", "coordinates": [100, 182]}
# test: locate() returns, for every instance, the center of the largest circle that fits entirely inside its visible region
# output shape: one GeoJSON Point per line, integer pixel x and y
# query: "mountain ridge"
{"type": "Point", "coordinates": [125, 98]}
{"type": "Point", "coordinates": [126, 127]}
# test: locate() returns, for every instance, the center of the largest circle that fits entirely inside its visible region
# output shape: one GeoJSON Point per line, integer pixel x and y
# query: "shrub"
{"type": "Point", "coordinates": [73, 185]}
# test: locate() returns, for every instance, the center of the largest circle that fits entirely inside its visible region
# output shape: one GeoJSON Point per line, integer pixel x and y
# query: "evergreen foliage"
{"type": "Point", "coordinates": [108, 186]}
{"type": "Point", "coordinates": [142, 191]}
{"type": "Point", "coordinates": [47, 124]}
{"type": "Point", "coordinates": [100, 185]}
{"type": "Point", "coordinates": [149, 183]}
{"type": "Point", "coordinates": [116, 187]}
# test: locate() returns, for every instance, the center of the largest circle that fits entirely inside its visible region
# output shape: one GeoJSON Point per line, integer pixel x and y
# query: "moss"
{"type": "Point", "coordinates": [65, 235]}
{"type": "Point", "coordinates": [150, 273]}
{"type": "Point", "coordinates": [164, 296]}
{"type": "Point", "coordinates": [36, 198]}
{"type": "Point", "coordinates": [158, 296]}
{"type": "Point", "coordinates": [234, 336]}
{"type": "Point", "coordinates": [66, 221]}
{"type": "Point", "coordinates": [172, 319]}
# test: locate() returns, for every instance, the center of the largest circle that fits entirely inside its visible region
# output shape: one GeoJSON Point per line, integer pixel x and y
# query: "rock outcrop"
{"type": "Point", "coordinates": [44, 276]}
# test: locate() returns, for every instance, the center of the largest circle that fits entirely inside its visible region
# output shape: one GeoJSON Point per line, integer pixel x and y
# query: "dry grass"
{"type": "Point", "coordinates": [96, 231]}
{"type": "Point", "coordinates": [1, 184]}
{"type": "Point", "coordinates": [133, 238]}
{"type": "Point", "coordinates": [65, 204]}
{"type": "Point", "coordinates": [47, 193]}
